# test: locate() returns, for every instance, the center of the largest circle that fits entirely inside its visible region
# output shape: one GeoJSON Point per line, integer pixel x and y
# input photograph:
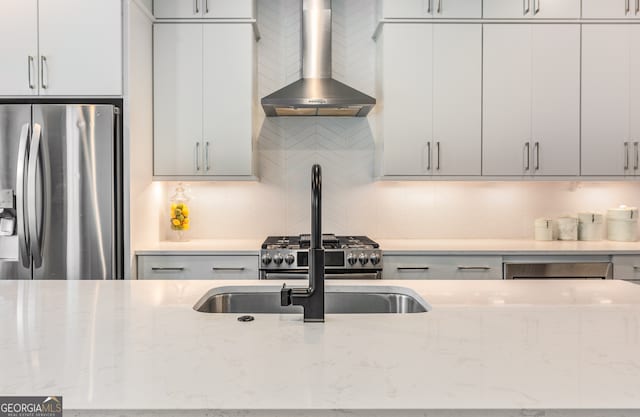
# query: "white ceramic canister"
{"type": "Point", "coordinates": [590, 226]}
{"type": "Point", "coordinates": [622, 224]}
{"type": "Point", "coordinates": [568, 228]}
{"type": "Point", "coordinates": [545, 229]}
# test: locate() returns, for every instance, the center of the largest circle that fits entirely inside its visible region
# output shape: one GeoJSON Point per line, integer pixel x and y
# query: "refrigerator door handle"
{"type": "Point", "coordinates": [32, 206]}
{"type": "Point", "coordinates": [23, 230]}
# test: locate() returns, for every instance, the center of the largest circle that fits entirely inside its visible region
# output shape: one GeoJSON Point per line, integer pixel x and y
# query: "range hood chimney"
{"type": "Point", "coordinates": [316, 93]}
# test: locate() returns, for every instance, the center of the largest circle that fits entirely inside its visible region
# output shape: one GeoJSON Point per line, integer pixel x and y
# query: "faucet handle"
{"type": "Point", "coordinates": [285, 296]}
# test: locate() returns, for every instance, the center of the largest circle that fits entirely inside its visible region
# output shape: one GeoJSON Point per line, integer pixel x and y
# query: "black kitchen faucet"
{"type": "Point", "coordinates": [311, 298]}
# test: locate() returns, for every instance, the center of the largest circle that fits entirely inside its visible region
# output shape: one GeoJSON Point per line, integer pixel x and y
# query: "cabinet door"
{"type": "Point", "coordinates": [177, 99]}
{"type": "Point", "coordinates": [607, 9]}
{"type": "Point", "coordinates": [442, 267]}
{"type": "Point", "coordinates": [228, 9]}
{"type": "Point", "coordinates": [457, 85]}
{"type": "Point", "coordinates": [556, 99]}
{"type": "Point", "coordinates": [557, 9]}
{"type": "Point", "coordinates": [506, 9]}
{"type": "Point", "coordinates": [19, 47]}
{"type": "Point", "coordinates": [605, 99]}
{"type": "Point", "coordinates": [634, 98]}
{"type": "Point", "coordinates": [80, 47]}
{"type": "Point", "coordinates": [405, 8]}
{"type": "Point", "coordinates": [227, 267]}
{"type": "Point", "coordinates": [457, 9]}
{"type": "Point", "coordinates": [407, 99]}
{"type": "Point", "coordinates": [507, 99]}
{"type": "Point", "coordinates": [177, 9]}
{"type": "Point", "coordinates": [228, 92]}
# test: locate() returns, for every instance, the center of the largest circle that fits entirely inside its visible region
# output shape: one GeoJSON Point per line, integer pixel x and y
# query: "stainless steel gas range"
{"type": "Point", "coordinates": [346, 257]}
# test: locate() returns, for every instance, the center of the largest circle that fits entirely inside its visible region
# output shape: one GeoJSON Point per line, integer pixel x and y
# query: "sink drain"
{"type": "Point", "coordinates": [246, 318]}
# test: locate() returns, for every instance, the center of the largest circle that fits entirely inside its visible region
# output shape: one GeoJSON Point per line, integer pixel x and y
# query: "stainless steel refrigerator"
{"type": "Point", "coordinates": [59, 191]}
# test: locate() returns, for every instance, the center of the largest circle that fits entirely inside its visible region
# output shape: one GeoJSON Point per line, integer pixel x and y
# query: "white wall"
{"type": "Point", "coordinates": [353, 202]}
{"type": "Point", "coordinates": [144, 194]}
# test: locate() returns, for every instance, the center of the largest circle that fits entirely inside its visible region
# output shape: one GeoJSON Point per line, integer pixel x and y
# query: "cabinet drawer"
{"type": "Point", "coordinates": [198, 267]}
{"type": "Point", "coordinates": [442, 267]}
{"type": "Point", "coordinates": [430, 9]}
{"type": "Point", "coordinates": [626, 267]}
{"type": "Point", "coordinates": [204, 9]}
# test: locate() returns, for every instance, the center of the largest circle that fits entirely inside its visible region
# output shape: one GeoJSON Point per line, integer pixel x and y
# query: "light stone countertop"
{"type": "Point", "coordinates": [502, 247]}
{"type": "Point", "coordinates": [486, 345]}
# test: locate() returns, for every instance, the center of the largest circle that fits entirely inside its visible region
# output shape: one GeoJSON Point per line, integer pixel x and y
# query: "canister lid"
{"type": "Point", "coordinates": [623, 213]}
{"type": "Point", "coordinates": [591, 217]}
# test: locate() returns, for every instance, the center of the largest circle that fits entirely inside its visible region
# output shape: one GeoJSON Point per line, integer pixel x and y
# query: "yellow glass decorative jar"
{"type": "Point", "coordinates": [179, 213]}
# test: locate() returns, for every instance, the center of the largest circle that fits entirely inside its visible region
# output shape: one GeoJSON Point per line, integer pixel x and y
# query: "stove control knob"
{"type": "Point", "coordinates": [277, 259]}
{"type": "Point", "coordinates": [266, 259]}
{"type": "Point", "coordinates": [289, 259]}
{"type": "Point", "coordinates": [374, 258]}
{"type": "Point", "coordinates": [351, 259]}
{"type": "Point", "coordinates": [363, 259]}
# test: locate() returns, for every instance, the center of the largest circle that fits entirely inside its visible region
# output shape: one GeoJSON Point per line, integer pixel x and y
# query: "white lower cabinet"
{"type": "Point", "coordinates": [441, 267]}
{"type": "Point", "coordinates": [626, 267]}
{"type": "Point", "coordinates": [224, 267]}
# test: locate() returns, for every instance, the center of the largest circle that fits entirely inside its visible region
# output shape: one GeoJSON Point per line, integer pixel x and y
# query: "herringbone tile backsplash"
{"type": "Point", "coordinates": [353, 202]}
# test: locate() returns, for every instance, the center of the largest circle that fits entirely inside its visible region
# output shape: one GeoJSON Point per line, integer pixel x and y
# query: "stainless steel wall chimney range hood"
{"type": "Point", "coordinates": [317, 94]}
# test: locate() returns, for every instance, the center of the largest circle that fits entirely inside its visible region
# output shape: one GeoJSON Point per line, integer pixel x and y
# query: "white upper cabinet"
{"type": "Point", "coordinates": [80, 52]}
{"type": "Point", "coordinates": [531, 100]}
{"type": "Point", "coordinates": [19, 47]}
{"type": "Point", "coordinates": [204, 9]}
{"type": "Point", "coordinates": [228, 99]}
{"type": "Point", "coordinates": [536, 9]}
{"type": "Point", "coordinates": [203, 99]}
{"type": "Point", "coordinates": [457, 99]}
{"type": "Point", "coordinates": [432, 9]}
{"type": "Point", "coordinates": [47, 50]}
{"type": "Point", "coordinates": [430, 99]}
{"type": "Point", "coordinates": [407, 98]}
{"type": "Point", "coordinates": [610, 64]}
{"type": "Point", "coordinates": [610, 9]}
{"type": "Point", "coordinates": [177, 62]}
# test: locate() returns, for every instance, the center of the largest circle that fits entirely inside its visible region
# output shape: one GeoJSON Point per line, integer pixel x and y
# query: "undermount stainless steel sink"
{"type": "Point", "coordinates": [338, 300]}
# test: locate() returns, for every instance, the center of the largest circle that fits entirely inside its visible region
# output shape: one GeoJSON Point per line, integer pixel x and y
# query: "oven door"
{"type": "Point", "coordinates": [582, 270]}
{"type": "Point", "coordinates": [301, 274]}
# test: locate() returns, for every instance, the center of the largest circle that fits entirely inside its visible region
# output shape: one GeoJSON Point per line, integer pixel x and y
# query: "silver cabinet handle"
{"type": "Point", "coordinates": [44, 80]}
{"type": "Point", "coordinates": [206, 6]}
{"type": "Point", "coordinates": [21, 209]}
{"type": "Point", "coordinates": [428, 6]}
{"type": "Point", "coordinates": [636, 161]}
{"type": "Point", "coordinates": [412, 268]}
{"type": "Point", "coordinates": [626, 155]}
{"type": "Point", "coordinates": [196, 7]}
{"type": "Point", "coordinates": [637, 7]}
{"type": "Point", "coordinates": [537, 150]}
{"type": "Point", "coordinates": [167, 268]}
{"type": "Point", "coordinates": [627, 7]}
{"type": "Point", "coordinates": [438, 156]}
{"type": "Point", "coordinates": [206, 156]}
{"type": "Point", "coordinates": [197, 156]}
{"type": "Point", "coordinates": [35, 238]}
{"type": "Point", "coordinates": [474, 268]}
{"type": "Point", "coordinates": [527, 158]}
{"type": "Point", "coordinates": [29, 69]}
{"type": "Point", "coordinates": [439, 10]}
{"type": "Point", "coordinates": [536, 6]}
{"type": "Point", "coordinates": [238, 269]}
{"type": "Point", "coordinates": [428, 156]}
{"type": "Point", "coordinates": [526, 7]}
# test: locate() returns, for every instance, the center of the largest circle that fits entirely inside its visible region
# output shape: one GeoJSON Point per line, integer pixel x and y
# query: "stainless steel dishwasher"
{"type": "Point", "coordinates": [559, 270]}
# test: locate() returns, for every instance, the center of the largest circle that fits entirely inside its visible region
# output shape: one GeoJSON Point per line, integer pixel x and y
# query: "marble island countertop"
{"type": "Point", "coordinates": [505, 345]}
{"type": "Point", "coordinates": [411, 247]}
